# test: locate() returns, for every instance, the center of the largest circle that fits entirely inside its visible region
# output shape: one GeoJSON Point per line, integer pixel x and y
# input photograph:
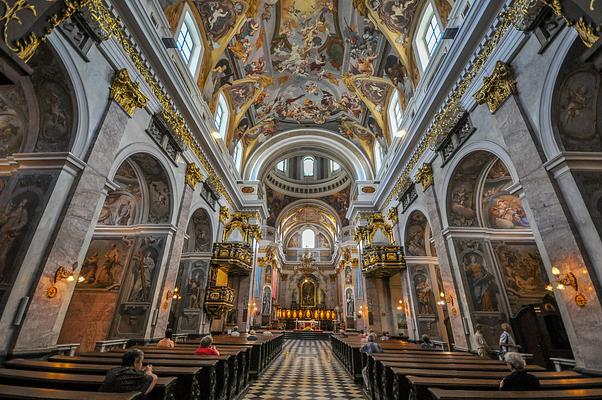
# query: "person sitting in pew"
{"type": "Point", "coordinates": [167, 342]}
{"type": "Point", "coordinates": [385, 336]}
{"type": "Point", "coordinates": [235, 331]}
{"type": "Point", "coordinates": [371, 346]}
{"type": "Point", "coordinates": [207, 348]}
{"type": "Point", "coordinates": [519, 379]}
{"type": "Point", "coordinates": [252, 337]}
{"type": "Point", "coordinates": [132, 376]}
{"type": "Point", "coordinates": [427, 344]}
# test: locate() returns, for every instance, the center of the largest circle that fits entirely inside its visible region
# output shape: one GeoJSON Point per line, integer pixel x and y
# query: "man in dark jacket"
{"type": "Point", "coordinates": [132, 376]}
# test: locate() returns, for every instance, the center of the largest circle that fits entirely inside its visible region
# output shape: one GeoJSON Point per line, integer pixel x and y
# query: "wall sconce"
{"type": "Point", "coordinates": [175, 295]}
{"type": "Point", "coordinates": [569, 279]}
{"type": "Point", "coordinates": [400, 305]}
{"type": "Point", "coordinates": [60, 274]}
{"type": "Point", "coordinates": [443, 300]}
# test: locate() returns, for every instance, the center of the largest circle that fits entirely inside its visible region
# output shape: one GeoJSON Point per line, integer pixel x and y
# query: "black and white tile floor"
{"type": "Point", "coordinates": [306, 370]}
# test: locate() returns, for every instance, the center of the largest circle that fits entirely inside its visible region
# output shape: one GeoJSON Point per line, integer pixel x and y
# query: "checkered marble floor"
{"type": "Point", "coordinates": [306, 370]}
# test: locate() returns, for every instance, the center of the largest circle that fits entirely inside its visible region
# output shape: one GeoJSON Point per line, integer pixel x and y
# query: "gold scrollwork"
{"type": "Point", "coordinates": [127, 93]}
{"type": "Point", "coordinates": [586, 33]}
{"type": "Point", "coordinates": [425, 176]}
{"type": "Point", "coordinates": [497, 87]}
{"type": "Point", "coordinates": [393, 215]}
{"type": "Point", "coordinates": [193, 175]}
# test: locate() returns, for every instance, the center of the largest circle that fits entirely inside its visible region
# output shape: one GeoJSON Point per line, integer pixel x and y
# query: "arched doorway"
{"type": "Point", "coordinates": [122, 265]}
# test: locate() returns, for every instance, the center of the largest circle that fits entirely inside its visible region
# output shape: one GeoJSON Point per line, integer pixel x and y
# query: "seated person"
{"type": "Point", "coordinates": [426, 343]}
{"type": "Point", "coordinates": [235, 331]}
{"type": "Point", "coordinates": [167, 342]}
{"type": "Point", "coordinates": [131, 376]}
{"type": "Point", "coordinates": [252, 337]}
{"type": "Point", "coordinates": [371, 346]}
{"type": "Point", "coordinates": [206, 348]}
{"type": "Point", "coordinates": [267, 333]}
{"type": "Point", "coordinates": [519, 379]}
{"type": "Point", "coordinates": [385, 336]}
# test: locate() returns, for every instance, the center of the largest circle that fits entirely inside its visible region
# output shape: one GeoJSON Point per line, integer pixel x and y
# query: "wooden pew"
{"type": "Point", "coordinates": [222, 368]}
{"type": "Point", "coordinates": [571, 394]}
{"type": "Point", "coordinates": [188, 386]}
{"type": "Point", "coordinates": [401, 387]}
{"type": "Point", "coordinates": [420, 384]}
{"type": "Point", "coordinates": [18, 392]}
{"type": "Point", "coordinates": [163, 390]}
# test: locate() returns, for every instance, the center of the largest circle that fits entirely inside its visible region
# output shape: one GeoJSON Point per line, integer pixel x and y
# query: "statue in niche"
{"type": "Point", "coordinates": [350, 306]}
{"type": "Point", "coordinates": [268, 274]}
{"type": "Point", "coordinates": [12, 222]}
{"type": "Point", "coordinates": [481, 283]}
{"type": "Point", "coordinates": [348, 276]}
{"type": "Point", "coordinates": [144, 266]}
{"type": "Point", "coordinates": [424, 294]}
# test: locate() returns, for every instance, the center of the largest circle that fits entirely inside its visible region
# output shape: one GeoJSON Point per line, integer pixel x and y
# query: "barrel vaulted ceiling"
{"type": "Point", "coordinates": [290, 64]}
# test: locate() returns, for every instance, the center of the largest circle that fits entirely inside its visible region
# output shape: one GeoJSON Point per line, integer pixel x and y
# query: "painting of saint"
{"type": "Point", "coordinates": [348, 276]}
{"type": "Point", "coordinates": [143, 271]}
{"type": "Point", "coordinates": [13, 223]}
{"type": "Point", "coordinates": [506, 212]}
{"type": "Point", "coordinates": [424, 292]}
{"type": "Point", "coordinates": [266, 304]}
{"type": "Point", "coordinates": [268, 274]}
{"type": "Point", "coordinates": [193, 294]}
{"type": "Point", "coordinates": [308, 294]}
{"type": "Point", "coordinates": [415, 235]}
{"type": "Point", "coordinates": [482, 285]}
{"type": "Point", "coordinates": [349, 303]}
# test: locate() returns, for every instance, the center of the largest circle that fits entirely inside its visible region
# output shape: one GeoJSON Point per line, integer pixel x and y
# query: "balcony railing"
{"type": "Point", "coordinates": [233, 257]}
{"type": "Point", "coordinates": [218, 300]}
{"type": "Point", "coordinates": [382, 261]}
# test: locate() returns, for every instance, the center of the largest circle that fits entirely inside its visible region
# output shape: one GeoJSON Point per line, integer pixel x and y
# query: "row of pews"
{"type": "Point", "coordinates": [405, 371]}
{"type": "Point", "coordinates": [182, 374]}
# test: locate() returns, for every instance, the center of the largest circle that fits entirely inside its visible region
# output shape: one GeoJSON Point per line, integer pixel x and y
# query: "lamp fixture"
{"type": "Point", "coordinates": [174, 295]}
{"type": "Point", "coordinates": [569, 279]}
{"type": "Point", "coordinates": [445, 300]}
{"type": "Point", "coordinates": [60, 274]}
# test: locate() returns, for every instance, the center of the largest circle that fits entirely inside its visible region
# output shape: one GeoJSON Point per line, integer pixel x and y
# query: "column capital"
{"type": "Point", "coordinates": [127, 93]}
{"type": "Point", "coordinates": [424, 176]}
{"type": "Point", "coordinates": [193, 175]}
{"type": "Point", "coordinates": [497, 87]}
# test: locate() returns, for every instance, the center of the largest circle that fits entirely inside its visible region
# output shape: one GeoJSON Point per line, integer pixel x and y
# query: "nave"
{"type": "Point", "coordinates": [305, 370]}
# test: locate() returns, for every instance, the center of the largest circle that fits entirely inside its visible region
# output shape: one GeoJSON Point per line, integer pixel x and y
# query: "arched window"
{"type": "Point", "coordinates": [427, 35]}
{"type": "Point", "coordinates": [237, 155]}
{"type": "Point", "coordinates": [189, 43]}
{"type": "Point", "coordinates": [395, 114]}
{"type": "Point", "coordinates": [221, 116]}
{"type": "Point", "coordinates": [308, 166]}
{"type": "Point", "coordinates": [334, 166]}
{"type": "Point", "coordinates": [308, 239]}
{"type": "Point", "coordinates": [378, 156]}
{"type": "Point", "coordinates": [281, 166]}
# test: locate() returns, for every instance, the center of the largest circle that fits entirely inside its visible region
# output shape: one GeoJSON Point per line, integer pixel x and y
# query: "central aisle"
{"type": "Point", "coordinates": [306, 370]}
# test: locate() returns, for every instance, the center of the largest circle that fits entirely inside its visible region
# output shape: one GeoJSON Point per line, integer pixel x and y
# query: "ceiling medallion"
{"type": "Point", "coordinates": [368, 189]}
{"type": "Point", "coordinates": [248, 189]}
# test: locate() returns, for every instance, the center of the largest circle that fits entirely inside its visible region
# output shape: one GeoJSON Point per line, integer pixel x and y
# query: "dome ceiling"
{"type": "Point", "coordinates": [285, 64]}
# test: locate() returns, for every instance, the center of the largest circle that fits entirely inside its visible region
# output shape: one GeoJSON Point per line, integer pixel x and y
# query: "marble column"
{"type": "Point", "coordinates": [456, 309]}
{"type": "Point", "coordinates": [42, 324]}
{"type": "Point", "coordinates": [173, 264]}
{"type": "Point", "coordinates": [242, 303]}
{"type": "Point", "coordinates": [555, 234]}
{"type": "Point", "coordinates": [379, 304]}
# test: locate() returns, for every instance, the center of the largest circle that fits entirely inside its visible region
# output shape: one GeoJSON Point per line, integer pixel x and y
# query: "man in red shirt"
{"type": "Point", "coordinates": [207, 348]}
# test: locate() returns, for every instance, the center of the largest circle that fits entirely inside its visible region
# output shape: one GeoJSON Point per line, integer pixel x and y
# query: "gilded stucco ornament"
{"type": "Point", "coordinates": [424, 176]}
{"type": "Point", "coordinates": [127, 93]}
{"type": "Point", "coordinates": [193, 175]}
{"type": "Point", "coordinates": [497, 87]}
{"type": "Point", "coordinates": [224, 214]}
{"type": "Point", "coordinates": [393, 215]}
{"type": "Point", "coordinates": [586, 31]}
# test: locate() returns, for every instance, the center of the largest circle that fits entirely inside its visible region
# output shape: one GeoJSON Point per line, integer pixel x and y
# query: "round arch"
{"type": "Point", "coordinates": [134, 149]}
{"type": "Point", "coordinates": [329, 143]}
{"type": "Point", "coordinates": [405, 223]}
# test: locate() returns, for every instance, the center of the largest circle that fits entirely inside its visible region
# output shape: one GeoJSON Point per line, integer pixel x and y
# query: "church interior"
{"type": "Point", "coordinates": [300, 199]}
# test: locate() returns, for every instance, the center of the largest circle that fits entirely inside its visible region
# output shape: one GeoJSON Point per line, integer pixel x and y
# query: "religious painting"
{"type": "Point", "coordinates": [397, 15]}
{"type": "Point", "coordinates": [266, 303]}
{"type": "Point", "coordinates": [143, 268]}
{"type": "Point", "coordinates": [268, 274]}
{"type": "Point", "coordinates": [194, 285]}
{"type": "Point", "coordinates": [416, 234]}
{"type": "Point", "coordinates": [239, 94]}
{"type": "Point", "coordinates": [220, 75]}
{"type": "Point", "coordinates": [199, 232]}
{"type": "Point", "coordinates": [308, 294]}
{"type": "Point", "coordinates": [14, 117]}
{"type": "Point", "coordinates": [122, 206]}
{"type": "Point", "coordinates": [104, 264]}
{"type": "Point", "coordinates": [349, 302]}
{"type": "Point", "coordinates": [425, 298]}
{"type": "Point", "coordinates": [524, 273]}
{"type": "Point", "coordinates": [219, 17]}
{"type": "Point", "coordinates": [365, 42]}
{"type": "Point", "coordinates": [359, 283]}
{"type": "Point", "coordinates": [481, 283]}
{"type": "Point", "coordinates": [590, 186]}
{"type": "Point", "coordinates": [323, 242]}
{"type": "Point", "coordinates": [257, 283]}
{"type": "Point", "coordinates": [398, 74]}
{"type": "Point", "coordinates": [348, 276]}
{"type": "Point", "coordinates": [294, 241]}
{"type": "Point", "coordinates": [501, 209]}
{"type": "Point", "coordinates": [462, 210]}
{"type": "Point", "coordinates": [158, 188]}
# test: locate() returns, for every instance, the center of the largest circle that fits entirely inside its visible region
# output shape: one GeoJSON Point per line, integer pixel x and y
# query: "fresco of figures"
{"type": "Point", "coordinates": [199, 232]}
{"type": "Point", "coordinates": [122, 206]}
{"type": "Point", "coordinates": [500, 209]}
{"type": "Point", "coordinates": [423, 290]}
{"type": "Point", "coordinates": [481, 284]}
{"type": "Point", "coordinates": [104, 264]}
{"type": "Point", "coordinates": [524, 273]}
{"type": "Point", "coordinates": [416, 230]}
